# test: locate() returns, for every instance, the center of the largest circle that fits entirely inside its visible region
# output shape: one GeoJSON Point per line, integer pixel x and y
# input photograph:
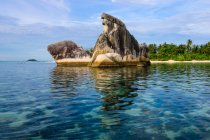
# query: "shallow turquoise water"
{"type": "Point", "coordinates": [161, 102]}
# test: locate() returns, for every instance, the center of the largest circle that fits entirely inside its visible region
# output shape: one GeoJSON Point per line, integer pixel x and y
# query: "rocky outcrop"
{"type": "Point", "coordinates": [69, 53]}
{"type": "Point", "coordinates": [116, 46]}
{"type": "Point", "coordinates": [66, 49]}
{"type": "Point", "coordinates": [144, 55]}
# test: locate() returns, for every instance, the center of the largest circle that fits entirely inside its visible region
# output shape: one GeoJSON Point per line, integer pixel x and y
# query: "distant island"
{"type": "Point", "coordinates": [32, 60]}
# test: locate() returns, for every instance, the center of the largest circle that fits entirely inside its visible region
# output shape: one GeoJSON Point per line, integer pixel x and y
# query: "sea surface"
{"type": "Point", "coordinates": [162, 102]}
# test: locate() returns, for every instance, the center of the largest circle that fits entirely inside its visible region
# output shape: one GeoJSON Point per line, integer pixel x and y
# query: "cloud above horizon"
{"type": "Point", "coordinates": [27, 27]}
{"type": "Point", "coordinates": [49, 12]}
{"type": "Point", "coordinates": [143, 2]}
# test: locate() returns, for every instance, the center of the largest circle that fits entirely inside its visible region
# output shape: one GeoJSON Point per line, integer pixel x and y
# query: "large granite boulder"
{"type": "Point", "coordinates": [116, 46]}
{"type": "Point", "coordinates": [69, 53]}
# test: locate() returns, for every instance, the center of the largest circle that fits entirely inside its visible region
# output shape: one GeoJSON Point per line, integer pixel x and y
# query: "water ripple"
{"type": "Point", "coordinates": [41, 101]}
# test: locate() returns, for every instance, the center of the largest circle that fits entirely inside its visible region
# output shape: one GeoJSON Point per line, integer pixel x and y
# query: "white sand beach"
{"type": "Point", "coordinates": [173, 61]}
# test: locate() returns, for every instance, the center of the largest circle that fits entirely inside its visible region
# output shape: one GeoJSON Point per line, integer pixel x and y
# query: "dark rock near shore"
{"type": "Point", "coordinates": [66, 49]}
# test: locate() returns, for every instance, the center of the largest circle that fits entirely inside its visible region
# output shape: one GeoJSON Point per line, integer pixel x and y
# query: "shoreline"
{"type": "Point", "coordinates": [173, 61]}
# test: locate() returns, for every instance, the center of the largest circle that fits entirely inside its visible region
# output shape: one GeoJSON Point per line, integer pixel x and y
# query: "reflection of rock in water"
{"type": "Point", "coordinates": [68, 80]}
{"type": "Point", "coordinates": [116, 85]}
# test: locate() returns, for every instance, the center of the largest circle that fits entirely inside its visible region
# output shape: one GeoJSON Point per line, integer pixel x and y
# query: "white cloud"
{"type": "Point", "coordinates": [191, 18]}
{"type": "Point", "coordinates": [143, 2]}
{"type": "Point", "coordinates": [78, 28]}
{"type": "Point", "coordinates": [60, 4]}
{"type": "Point", "coordinates": [49, 12]}
{"type": "Point", "coordinates": [195, 23]}
{"type": "Point", "coordinates": [26, 29]}
{"type": "Point", "coordinates": [191, 23]}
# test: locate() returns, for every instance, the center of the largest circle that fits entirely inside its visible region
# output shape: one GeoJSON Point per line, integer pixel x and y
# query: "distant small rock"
{"type": "Point", "coordinates": [32, 60]}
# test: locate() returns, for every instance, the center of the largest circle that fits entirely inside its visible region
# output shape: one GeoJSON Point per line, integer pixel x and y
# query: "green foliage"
{"type": "Point", "coordinates": [152, 48]}
{"type": "Point", "coordinates": [182, 52]}
{"type": "Point", "coordinates": [90, 51]}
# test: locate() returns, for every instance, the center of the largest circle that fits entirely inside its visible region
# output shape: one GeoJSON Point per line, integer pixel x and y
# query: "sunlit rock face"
{"type": "Point", "coordinates": [69, 53]}
{"type": "Point", "coordinates": [116, 46]}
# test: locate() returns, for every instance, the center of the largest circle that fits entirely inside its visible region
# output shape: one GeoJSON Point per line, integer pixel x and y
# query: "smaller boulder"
{"type": "Point", "coordinates": [69, 53]}
{"type": "Point", "coordinates": [66, 49]}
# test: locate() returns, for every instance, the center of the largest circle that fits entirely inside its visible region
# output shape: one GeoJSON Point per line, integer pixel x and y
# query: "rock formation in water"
{"type": "Point", "coordinates": [116, 46]}
{"type": "Point", "coordinates": [144, 55]}
{"type": "Point", "coordinates": [66, 49]}
{"type": "Point", "coordinates": [69, 53]}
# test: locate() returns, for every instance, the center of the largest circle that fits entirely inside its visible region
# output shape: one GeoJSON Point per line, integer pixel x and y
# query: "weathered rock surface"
{"type": "Point", "coordinates": [117, 47]}
{"type": "Point", "coordinates": [66, 49]}
{"type": "Point", "coordinates": [108, 59]}
{"type": "Point", "coordinates": [69, 53]}
{"type": "Point", "coordinates": [144, 55]}
{"type": "Point", "coordinates": [114, 47]}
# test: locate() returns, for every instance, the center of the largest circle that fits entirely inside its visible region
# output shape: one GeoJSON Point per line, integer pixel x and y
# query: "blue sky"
{"type": "Point", "coordinates": [28, 26]}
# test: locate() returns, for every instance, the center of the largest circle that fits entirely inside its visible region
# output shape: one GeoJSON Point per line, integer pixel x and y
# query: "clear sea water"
{"type": "Point", "coordinates": [161, 102]}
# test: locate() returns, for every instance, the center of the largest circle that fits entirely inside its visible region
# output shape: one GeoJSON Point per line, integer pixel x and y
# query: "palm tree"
{"type": "Point", "coordinates": [189, 43]}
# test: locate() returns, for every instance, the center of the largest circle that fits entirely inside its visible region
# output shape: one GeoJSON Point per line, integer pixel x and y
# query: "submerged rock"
{"type": "Point", "coordinates": [117, 47]}
{"type": "Point", "coordinates": [69, 53]}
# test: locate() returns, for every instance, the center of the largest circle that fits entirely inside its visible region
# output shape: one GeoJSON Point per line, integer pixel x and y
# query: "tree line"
{"type": "Point", "coordinates": [188, 51]}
